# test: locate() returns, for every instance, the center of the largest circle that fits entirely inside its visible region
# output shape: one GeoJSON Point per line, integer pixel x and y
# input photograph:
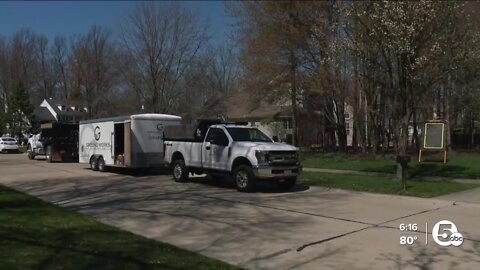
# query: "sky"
{"type": "Point", "coordinates": [73, 17]}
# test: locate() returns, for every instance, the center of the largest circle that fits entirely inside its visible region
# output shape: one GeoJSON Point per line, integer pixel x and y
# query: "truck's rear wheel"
{"type": "Point", "coordinates": [30, 153]}
{"type": "Point", "coordinates": [244, 178]}
{"type": "Point", "coordinates": [93, 163]}
{"type": "Point", "coordinates": [287, 183]}
{"type": "Point", "coordinates": [49, 153]}
{"type": "Point", "coordinates": [101, 164]}
{"type": "Point", "coordinates": [180, 171]}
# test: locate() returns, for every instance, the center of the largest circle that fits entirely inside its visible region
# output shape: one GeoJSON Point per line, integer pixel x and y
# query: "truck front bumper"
{"type": "Point", "coordinates": [267, 171]}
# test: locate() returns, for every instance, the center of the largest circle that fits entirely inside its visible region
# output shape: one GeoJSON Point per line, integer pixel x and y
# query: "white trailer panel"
{"type": "Point", "coordinates": [130, 141]}
{"type": "Point", "coordinates": [96, 139]}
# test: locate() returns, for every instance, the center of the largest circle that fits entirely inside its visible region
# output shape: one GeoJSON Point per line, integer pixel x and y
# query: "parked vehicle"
{"type": "Point", "coordinates": [8, 144]}
{"type": "Point", "coordinates": [245, 153]}
{"type": "Point", "coordinates": [56, 141]}
{"type": "Point", "coordinates": [133, 141]}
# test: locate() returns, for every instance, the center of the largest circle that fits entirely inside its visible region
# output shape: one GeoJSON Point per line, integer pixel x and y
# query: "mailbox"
{"type": "Point", "coordinates": [403, 159]}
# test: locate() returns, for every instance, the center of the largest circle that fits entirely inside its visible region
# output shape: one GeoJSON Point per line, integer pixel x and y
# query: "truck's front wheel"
{"type": "Point", "coordinates": [180, 171]}
{"type": "Point", "coordinates": [244, 178]}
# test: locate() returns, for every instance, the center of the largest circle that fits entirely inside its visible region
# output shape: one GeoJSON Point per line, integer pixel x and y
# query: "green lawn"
{"type": "Point", "coordinates": [38, 235]}
{"type": "Point", "coordinates": [458, 166]}
{"type": "Point", "coordinates": [375, 184]}
{"type": "Point", "coordinates": [22, 148]}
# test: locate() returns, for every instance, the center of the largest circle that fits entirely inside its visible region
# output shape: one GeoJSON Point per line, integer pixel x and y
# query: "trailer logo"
{"type": "Point", "coordinates": [160, 127]}
{"type": "Point", "coordinates": [97, 133]}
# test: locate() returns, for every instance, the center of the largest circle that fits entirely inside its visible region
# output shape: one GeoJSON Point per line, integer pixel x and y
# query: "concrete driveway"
{"type": "Point", "coordinates": [309, 228]}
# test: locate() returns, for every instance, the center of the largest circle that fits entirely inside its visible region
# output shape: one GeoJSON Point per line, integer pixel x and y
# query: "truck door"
{"type": "Point", "coordinates": [215, 150]}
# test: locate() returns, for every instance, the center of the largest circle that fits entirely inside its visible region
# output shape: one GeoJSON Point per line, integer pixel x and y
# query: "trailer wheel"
{"type": "Point", "coordinates": [30, 153]}
{"type": "Point", "coordinates": [49, 153]}
{"type": "Point", "coordinates": [93, 163]}
{"type": "Point", "coordinates": [180, 171]}
{"type": "Point", "coordinates": [101, 164]}
{"type": "Point", "coordinates": [244, 178]}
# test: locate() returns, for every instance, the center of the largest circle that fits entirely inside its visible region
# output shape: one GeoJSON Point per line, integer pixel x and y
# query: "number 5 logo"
{"type": "Point", "coordinates": [445, 239]}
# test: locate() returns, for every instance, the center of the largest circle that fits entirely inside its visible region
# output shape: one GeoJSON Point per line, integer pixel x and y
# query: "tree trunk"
{"type": "Point", "coordinates": [293, 97]}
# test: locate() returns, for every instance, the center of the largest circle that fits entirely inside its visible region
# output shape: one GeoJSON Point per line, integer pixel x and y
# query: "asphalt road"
{"type": "Point", "coordinates": [308, 228]}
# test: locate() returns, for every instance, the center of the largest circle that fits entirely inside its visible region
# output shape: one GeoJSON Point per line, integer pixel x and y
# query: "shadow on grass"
{"type": "Point", "coordinates": [417, 170]}
{"type": "Point", "coordinates": [435, 169]}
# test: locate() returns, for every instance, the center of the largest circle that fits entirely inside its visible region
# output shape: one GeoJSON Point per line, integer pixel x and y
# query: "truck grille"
{"type": "Point", "coordinates": [282, 158]}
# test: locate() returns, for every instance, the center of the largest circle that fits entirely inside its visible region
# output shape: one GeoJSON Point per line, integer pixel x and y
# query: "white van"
{"type": "Point", "coordinates": [133, 141]}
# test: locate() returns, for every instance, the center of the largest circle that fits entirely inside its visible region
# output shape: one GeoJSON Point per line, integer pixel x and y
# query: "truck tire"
{"type": "Point", "coordinates": [287, 183]}
{"type": "Point", "coordinates": [30, 153]}
{"type": "Point", "coordinates": [49, 153]}
{"type": "Point", "coordinates": [180, 171]}
{"type": "Point", "coordinates": [244, 178]}
{"type": "Point", "coordinates": [94, 163]}
{"type": "Point", "coordinates": [101, 164]}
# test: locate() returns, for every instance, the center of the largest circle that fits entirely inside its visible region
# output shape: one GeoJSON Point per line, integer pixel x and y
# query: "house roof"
{"type": "Point", "coordinates": [42, 114]}
{"type": "Point", "coordinates": [54, 103]}
{"type": "Point", "coordinates": [49, 111]}
{"type": "Point", "coordinates": [244, 105]}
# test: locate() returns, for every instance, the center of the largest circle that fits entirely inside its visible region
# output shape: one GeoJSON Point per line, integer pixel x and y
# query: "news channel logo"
{"type": "Point", "coordinates": [445, 233]}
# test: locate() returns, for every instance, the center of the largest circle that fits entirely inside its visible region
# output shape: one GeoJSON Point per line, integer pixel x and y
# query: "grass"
{"type": "Point", "coordinates": [38, 235]}
{"type": "Point", "coordinates": [375, 184]}
{"type": "Point", "coordinates": [458, 166]}
{"type": "Point", "coordinates": [22, 148]}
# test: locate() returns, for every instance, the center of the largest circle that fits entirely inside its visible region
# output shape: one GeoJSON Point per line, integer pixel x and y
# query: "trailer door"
{"type": "Point", "coordinates": [96, 139]}
{"type": "Point", "coordinates": [128, 143]}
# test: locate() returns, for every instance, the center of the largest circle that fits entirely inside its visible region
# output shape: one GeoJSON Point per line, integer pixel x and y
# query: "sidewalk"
{"type": "Point", "coordinates": [429, 178]}
{"type": "Point", "coordinates": [470, 196]}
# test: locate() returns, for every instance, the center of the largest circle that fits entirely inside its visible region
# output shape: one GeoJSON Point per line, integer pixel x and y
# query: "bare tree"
{"type": "Point", "coordinates": [60, 55]}
{"type": "Point", "coordinates": [23, 61]}
{"type": "Point", "coordinates": [162, 41]}
{"type": "Point", "coordinates": [4, 72]}
{"type": "Point", "coordinates": [45, 82]}
{"type": "Point", "coordinates": [93, 71]}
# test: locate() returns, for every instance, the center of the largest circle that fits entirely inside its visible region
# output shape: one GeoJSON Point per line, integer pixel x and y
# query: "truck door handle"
{"type": "Point", "coordinates": [207, 147]}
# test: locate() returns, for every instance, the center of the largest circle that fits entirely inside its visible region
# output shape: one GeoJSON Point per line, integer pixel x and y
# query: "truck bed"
{"type": "Point", "coordinates": [183, 139]}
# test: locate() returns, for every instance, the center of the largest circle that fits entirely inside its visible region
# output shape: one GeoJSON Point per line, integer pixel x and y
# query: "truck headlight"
{"type": "Point", "coordinates": [262, 157]}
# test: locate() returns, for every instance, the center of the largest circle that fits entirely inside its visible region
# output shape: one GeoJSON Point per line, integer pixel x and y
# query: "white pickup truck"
{"type": "Point", "coordinates": [244, 153]}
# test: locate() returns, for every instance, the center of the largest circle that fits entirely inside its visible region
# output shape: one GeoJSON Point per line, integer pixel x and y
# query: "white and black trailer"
{"type": "Point", "coordinates": [132, 141]}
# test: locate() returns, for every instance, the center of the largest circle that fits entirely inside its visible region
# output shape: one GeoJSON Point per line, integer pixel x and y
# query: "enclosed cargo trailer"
{"type": "Point", "coordinates": [133, 141]}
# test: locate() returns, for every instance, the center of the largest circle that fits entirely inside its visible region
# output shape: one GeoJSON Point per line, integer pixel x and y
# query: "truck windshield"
{"type": "Point", "coordinates": [248, 135]}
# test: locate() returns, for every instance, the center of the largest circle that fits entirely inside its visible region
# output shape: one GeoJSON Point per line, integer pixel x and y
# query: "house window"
{"type": "Point", "coordinates": [347, 116]}
{"type": "Point", "coordinates": [287, 123]}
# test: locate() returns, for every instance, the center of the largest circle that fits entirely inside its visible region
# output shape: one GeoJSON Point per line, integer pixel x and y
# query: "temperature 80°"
{"type": "Point", "coordinates": [408, 240]}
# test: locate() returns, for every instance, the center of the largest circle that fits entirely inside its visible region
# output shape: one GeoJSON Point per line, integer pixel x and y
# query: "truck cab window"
{"type": "Point", "coordinates": [218, 136]}
{"type": "Point", "coordinates": [248, 135]}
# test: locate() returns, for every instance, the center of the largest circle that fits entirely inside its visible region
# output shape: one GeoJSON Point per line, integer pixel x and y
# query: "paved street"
{"type": "Point", "coordinates": [309, 228]}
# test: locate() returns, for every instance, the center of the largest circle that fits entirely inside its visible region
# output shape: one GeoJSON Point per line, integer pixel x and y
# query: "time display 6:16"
{"type": "Point", "coordinates": [408, 227]}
